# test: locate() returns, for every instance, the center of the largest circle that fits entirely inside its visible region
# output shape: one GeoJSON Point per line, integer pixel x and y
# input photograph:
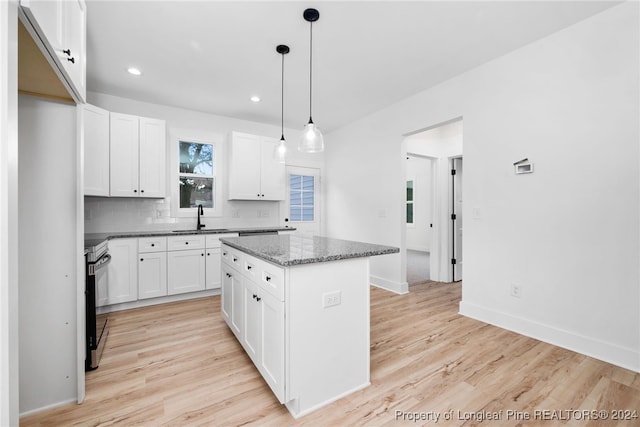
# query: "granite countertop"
{"type": "Point", "coordinates": [93, 239]}
{"type": "Point", "coordinates": [288, 250]}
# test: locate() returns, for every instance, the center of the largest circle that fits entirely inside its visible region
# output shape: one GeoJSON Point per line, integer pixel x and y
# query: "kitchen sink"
{"type": "Point", "coordinates": [204, 230]}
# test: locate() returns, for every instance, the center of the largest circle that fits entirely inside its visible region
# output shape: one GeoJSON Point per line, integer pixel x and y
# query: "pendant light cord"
{"type": "Point", "coordinates": [310, 67]}
{"type": "Point", "coordinates": [282, 99]}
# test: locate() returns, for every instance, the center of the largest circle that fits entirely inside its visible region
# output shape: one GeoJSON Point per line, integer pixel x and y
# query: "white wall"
{"type": "Point", "coordinates": [128, 214]}
{"type": "Point", "coordinates": [48, 253]}
{"type": "Point", "coordinates": [569, 233]}
{"type": "Point", "coordinates": [9, 359]}
{"type": "Point", "coordinates": [419, 233]}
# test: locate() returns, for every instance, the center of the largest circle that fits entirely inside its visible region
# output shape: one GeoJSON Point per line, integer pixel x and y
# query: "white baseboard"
{"type": "Point", "coordinates": [397, 287]}
{"type": "Point", "coordinates": [611, 353]}
{"type": "Point", "coordinates": [48, 407]}
{"type": "Point", "coordinates": [155, 301]}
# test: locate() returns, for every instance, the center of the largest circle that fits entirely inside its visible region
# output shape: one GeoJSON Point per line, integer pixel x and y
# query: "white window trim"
{"type": "Point", "coordinates": [200, 137]}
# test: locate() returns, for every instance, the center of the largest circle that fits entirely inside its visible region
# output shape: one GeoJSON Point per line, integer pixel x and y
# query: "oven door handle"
{"type": "Point", "coordinates": [103, 261]}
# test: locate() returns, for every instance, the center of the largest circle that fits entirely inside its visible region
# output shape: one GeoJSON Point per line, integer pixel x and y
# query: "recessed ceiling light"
{"type": "Point", "coordinates": [134, 71]}
{"type": "Point", "coordinates": [255, 98]}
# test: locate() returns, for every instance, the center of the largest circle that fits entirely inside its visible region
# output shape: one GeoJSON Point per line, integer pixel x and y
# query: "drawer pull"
{"type": "Point", "coordinates": [186, 243]}
{"type": "Point", "coordinates": [141, 259]}
{"type": "Point", "coordinates": [153, 244]}
{"type": "Point", "coordinates": [258, 299]}
{"type": "Point", "coordinates": [235, 259]}
{"type": "Point", "coordinates": [224, 254]}
{"type": "Point", "coordinates": [202, 254]}
{"type": "Point", "coordinates": [249, 267]}
{"type": "Point", "coordinates": [267, 278]}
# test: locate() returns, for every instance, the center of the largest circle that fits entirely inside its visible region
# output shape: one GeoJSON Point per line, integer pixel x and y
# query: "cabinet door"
{"type": "Point", "coordinates": [122, 271]}
{"type": "Point", "coordinates": [271, 360]}
{"type": "Point", "coordinates": [46, 17]}
{"type": "Point", "coordinates": [213, 273]}
{"type": "Point", "coordinates": [227, 293]}
{"type": "Point", "coordinates": [73, 53]}
{"type": "Point", "coordinates": [272, 173]}
{"type": "Point", "coordinates": [153, 149]}
{"type": "Point", "coordinates": [244, 167]}
{"type": "Point", "coordinates": [252, 320]}
{"type": "Point", "coordinates": [152, 275]}
{"type": "Point", "coordinates": [96, 151]}
{"type": "Point", "coordinates": [185, 271]}
{"type": "Point", "coordinates": [237, 305]}
{"type": "Point", "coordinates": [123, 153]}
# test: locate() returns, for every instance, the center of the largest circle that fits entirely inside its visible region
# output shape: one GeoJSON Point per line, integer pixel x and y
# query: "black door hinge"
{"type": "Point", "coordinates": [453, 261]}
{"type": "Point", "coordinates": [453, 171]}
{"type": "Point", "coordinates": [453, 217]}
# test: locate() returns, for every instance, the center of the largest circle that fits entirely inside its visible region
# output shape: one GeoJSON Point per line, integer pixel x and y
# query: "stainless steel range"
{"type": "Point", "coordinates": [97, 328]}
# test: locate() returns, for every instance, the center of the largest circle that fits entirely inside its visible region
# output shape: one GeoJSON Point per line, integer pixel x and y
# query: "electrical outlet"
{"type": "Point", "coordinates": [330, 299]}
{"type": "Point", "coordinates": [516, 291]}
{"type": "Point", "coordinates": [235, 213]}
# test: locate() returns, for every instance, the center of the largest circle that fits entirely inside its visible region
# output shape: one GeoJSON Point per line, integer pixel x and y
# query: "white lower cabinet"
{"type": "Point", "coordinates": [152, 275]}
{"type": "Point", "coordinates": [255, 315]}
{"type": "Point", "coordinates": [185, 271]}
{"type": "Point", "coordinates": [264, 335]}
{"type": "Point", "coordinates": [122, 271]}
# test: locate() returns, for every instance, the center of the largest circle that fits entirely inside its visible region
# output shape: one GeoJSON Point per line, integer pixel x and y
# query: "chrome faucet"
{"type": "Point", "coordinates": [200, 212]}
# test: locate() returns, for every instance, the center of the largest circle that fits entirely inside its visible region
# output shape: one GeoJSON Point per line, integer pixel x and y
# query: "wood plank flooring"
{"type": "Point", "coordinates": [179, 365]}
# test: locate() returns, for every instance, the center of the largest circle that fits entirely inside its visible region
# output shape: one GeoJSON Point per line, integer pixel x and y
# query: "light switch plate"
{"type": "Point", "coordinates": [330, 299]}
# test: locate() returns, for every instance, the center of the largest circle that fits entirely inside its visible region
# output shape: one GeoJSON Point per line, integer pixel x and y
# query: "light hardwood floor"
{"type": "Point", "coordinates": [179, 364]}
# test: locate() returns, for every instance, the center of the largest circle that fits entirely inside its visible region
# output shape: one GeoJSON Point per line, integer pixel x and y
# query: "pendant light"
{"type": "Point", "coordinates": [311, 140]}
{"type": "Point", "coordinates": [280, 151]}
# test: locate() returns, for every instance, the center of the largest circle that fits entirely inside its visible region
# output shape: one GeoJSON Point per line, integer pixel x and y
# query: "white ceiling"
{"type": "Point", "coordinates": [212, 56]}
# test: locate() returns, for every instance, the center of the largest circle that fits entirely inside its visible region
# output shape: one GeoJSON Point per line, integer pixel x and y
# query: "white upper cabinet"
{"type": "Point", "coordinates": [137, 154]}
{"type": "Point", "coordinates": [59, 28]}
{"type": "Point", "coordinates": [254, 174]}
{"type": "Point", "coordinates": [124, 155]}
{"type": "Point", "coordinates": [152, 157]}
{"type": "Point", "coordinates": [96, 150]}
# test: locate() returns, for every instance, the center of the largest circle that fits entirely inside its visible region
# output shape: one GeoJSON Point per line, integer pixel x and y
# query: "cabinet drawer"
{"type": "Point", "coordinates": [179, 243]}
{"type": "Point", "coordinates": [232, 257]}
{"type": "Point", "coordinates": [213, 240]}
{"type": "Point", "coordinates": [152, 244]}
{"type": "Point", "coordinates": [270, 278]}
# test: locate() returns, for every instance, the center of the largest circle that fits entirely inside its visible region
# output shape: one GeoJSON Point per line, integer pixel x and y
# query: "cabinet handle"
{"type": "Point", "coordinates": [135, 191]}
{"type": "Point", "coordinates": [254, 296]}
{"type": "Point", "coordinates": [186, 243]}
{"type": "Point", "coordinates": [267, 278]}
{"type": "Point", "coordinates": [141, 259]}
{"type": "Point", "coordinates": [202, 254]}
{"type": "Point", "coordinates": [249, 267]}
{"type": "Point", "coordinates": [72, 60]}
{"type": "Point", "coordinates": [67, 52]}
{"type": "Point", "coordinates": [142, 191]}
{"type": "Point", "coordinates": [258, 299]}
{"type": "Point", "coordinates": [153, 244]}
{"type": "Point", "coordinates": [228, 275]}
{"type": "Point", "coordinates": [208, 254]}
{"type": "Point", "coordinates": [235, 259]}
{"type": "Point", "coordinates": [262, 195]}
{"type": "Point", "coordinates": [224, 253]}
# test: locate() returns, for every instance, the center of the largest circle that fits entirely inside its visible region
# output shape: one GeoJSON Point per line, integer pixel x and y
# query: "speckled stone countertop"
{"type": "Point", "coordinates": [93, 239]}
{"type": "Point", "coordinates": [288, 250]}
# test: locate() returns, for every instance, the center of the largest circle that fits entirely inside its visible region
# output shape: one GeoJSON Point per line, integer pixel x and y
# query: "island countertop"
{"type": "Point", "coordinates": [290, 250]}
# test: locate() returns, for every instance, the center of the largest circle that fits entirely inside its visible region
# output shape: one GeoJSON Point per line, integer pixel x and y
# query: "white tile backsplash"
{"type": "Point", "coordinates": [105, 214]}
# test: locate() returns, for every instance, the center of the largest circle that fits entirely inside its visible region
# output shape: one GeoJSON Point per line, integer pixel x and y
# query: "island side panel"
{"type": "Point", "coordinates": [328, 347]}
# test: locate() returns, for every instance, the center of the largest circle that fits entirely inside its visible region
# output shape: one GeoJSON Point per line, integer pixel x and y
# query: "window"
{"type": "Point", "coordinates": [301, 198]}
{"type": "Point", "coordinates": [195, 178]}
{"type": "Point", "coordinates": [410, 202]}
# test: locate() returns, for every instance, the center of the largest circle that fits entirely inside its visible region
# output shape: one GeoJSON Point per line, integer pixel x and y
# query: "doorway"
{"type": "Point", "coordinates": [440, 147]}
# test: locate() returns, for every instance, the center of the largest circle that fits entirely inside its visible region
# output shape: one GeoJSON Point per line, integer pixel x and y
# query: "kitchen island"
{"type": "Point", "coordinates": [300, 308]}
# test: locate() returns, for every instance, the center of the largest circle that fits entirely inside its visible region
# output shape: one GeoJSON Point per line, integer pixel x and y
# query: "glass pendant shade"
{"type": "Point", "coordinates": [311, 140]}
{"type": "Point", "coordinates": [280, 151]}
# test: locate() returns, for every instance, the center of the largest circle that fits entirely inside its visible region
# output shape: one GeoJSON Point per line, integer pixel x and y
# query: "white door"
{"type": "Point", "coordinates": [303, 200]}
{"type": "Point", "coordinates": [457, 223]}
